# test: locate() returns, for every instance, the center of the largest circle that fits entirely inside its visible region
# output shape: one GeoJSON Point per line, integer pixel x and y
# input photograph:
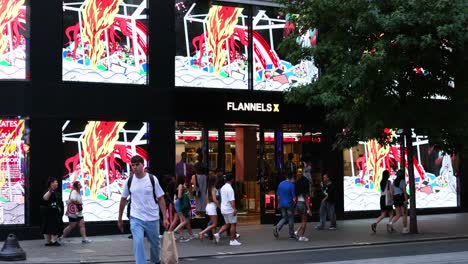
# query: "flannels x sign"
{"type": "Point", "coordinates": [252, 107]}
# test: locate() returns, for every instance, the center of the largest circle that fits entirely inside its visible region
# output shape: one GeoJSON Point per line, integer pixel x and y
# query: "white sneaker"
{"type": "Point", "coordinates": [303, 239]}
{"type": "Point", "coordinates": [234, 243]}
{"type": "Point", "coordinates": [237, 235]}
{"type": "Point", "coordinates": [295, 233]}
{"type": "Point", "coordinates": [405, 230]}
{"type": "Point", "coordinates": [86, 241]}
{"type": "Point", "coordinates": [216, 237]}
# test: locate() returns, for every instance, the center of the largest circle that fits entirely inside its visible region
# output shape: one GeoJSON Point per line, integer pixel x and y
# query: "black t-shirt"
{"type": "Point", "coordinates": [330, 190]}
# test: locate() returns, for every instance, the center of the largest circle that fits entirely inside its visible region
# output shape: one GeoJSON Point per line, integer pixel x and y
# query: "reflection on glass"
{"type": "Point", "coordinates": [98, 153]}
{"type": "Point", "coordinates": [14, 150]}
{"type": "Point", "coordinates": [14, 37]}
{"type": "Point", "coordinates": [215, 41]}
{"type": "Point", "coordinates": [435, 174]}
{"type": "Point", "coordinates": [105, 41]}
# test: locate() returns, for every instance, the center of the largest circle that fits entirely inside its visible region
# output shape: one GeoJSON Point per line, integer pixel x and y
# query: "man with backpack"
{"type": "Point", "coordinates": [146, 198]}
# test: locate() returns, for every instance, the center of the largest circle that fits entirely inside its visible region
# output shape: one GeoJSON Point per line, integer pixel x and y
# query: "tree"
{"type": "Point", "coordinates": [382, 63]}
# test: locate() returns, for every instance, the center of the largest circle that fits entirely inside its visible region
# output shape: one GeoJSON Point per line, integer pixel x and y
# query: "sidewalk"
{"type": "Point", "coordinates": [254, 239]}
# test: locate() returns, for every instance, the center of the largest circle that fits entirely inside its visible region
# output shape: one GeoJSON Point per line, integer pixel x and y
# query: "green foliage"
{"type": "Point", "coordinates": [380, 61]}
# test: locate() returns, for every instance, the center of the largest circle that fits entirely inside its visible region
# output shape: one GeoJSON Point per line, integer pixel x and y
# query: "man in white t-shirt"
{"type": "Point", "coordinates": [144, 213]}
{"type": "Point", "coordinates": [228, 209]}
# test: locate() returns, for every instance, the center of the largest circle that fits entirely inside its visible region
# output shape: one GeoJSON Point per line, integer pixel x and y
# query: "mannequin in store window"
{"type": "Point", "coordinates": [183, 168]}
{"type": "Point", "coordinates": [290, 169]}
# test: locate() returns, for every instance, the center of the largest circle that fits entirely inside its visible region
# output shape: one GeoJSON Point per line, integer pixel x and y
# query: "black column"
{"type": "Point", "coordinates": [205, 145]}
{"type": "Point", "coordinates": [221, 147]}
{"type": "Point", "coordinates": [162, 147]}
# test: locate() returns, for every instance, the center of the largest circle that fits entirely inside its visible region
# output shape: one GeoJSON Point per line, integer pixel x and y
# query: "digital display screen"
{"type": "Point", "coordinates": [105, 41]}
{"type": "Point", "coordinates": [14, 39]}
{"type": "Point", "coordinates": [98, 153]}
{"type": "Point", "coordinates": [14, 157]}
{"type": "Point", "coordinates": [436, 175]}
{"type": "Point", "coordinates": [272, 71]}
{"type": "Point", "coordinates": [211, 46]}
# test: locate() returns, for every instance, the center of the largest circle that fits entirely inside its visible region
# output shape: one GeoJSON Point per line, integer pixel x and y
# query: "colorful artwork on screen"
{"type": "Point", "coordinates": [98, 155]}
{"type": "Point", "coordinates": [14, 149]}
{"type": "Point", "coordinates": [14, 36]}
{"type": "Point", "coordinates": [105, 41]}
{"type": "Point", "coordinates": [216, 50]}
{"type": "Point", "coordinates": [435, 175]}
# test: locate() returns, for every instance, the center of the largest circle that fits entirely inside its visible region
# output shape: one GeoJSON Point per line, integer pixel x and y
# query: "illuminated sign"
{"type": "Point", "coordinates": [252, 107]}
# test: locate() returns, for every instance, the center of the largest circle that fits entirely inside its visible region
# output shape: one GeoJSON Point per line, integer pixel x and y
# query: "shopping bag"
{"type": "Point", "coordinates": [169, 253]}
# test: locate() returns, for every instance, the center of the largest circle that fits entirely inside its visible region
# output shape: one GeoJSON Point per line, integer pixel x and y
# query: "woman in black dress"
{"type": "Point", "coordinates": [51, 214]}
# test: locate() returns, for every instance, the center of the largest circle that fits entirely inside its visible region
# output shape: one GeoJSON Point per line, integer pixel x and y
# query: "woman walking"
{"type": "Point", "coordinates": [213, 203]}
{"type": "Point", "coordinates": [386, 201]}
{"type": "Point", "coordinates": [400, 201]}
{"type": "Point", "coordinates": [182, 213]}
{"type": "Point", "coordinates": [302, 206]}
{"type": "Point", "coordinates": [75, 213]}
{"type": "Point", "coordinates": [50, 211]}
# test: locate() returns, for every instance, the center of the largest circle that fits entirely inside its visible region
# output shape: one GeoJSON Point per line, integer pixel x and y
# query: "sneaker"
{"type": "Point", "coordinates": [303, 239]}
{"type": "Point", "coordinates": [390, 228]}
{"type": "Point", "coordinates": [405, 230]}
{"type": "Point", "coordinates": [275, 232]}
{"type": "Point", "coordinates": [184, 239]}
{"type": "Point", "coordinates": [216, 237]}
{"type": "Point", "coordinates": [295, 233]}
{"type": "Point", "coordinates": [191, 236]}
{"type": "Point", "coordinates": [319, 227]}
{"type": "Point", "coordinates": [86, 241]}
{"type": "Point", "coordinates": [55, 244]}
{"type": "Point", "coordinates": [332, 228]}
{"type": "Point", "coordinates": [374, 227]}
{"type": "Point", "coordinates": [237, 235]}
{"type": "Point", "coordinates": [234, 243]}
{"type": "Point", "coordinates": [292, 237]}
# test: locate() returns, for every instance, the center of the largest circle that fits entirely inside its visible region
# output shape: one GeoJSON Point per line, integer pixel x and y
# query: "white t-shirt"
{"type": "Point", "coordinates": [143, 205]}
{"type": "Point", "coordinates": [227, 195]}
{"type": "Point", "coordinates": [76, 196]}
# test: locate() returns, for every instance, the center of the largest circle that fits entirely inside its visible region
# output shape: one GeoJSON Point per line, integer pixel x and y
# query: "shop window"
{"type": "Point", "coordinates": [105, 44]}
{"type": "Point", "coordinates": [211, 46]}
{"type": "Point", "coordinates": [14, 168]}
{"type": "Point", "coordinates": [436, 174]}
{"type": "Point", "coordinates": [98, 153]}
{"type": "Point", "coordinates": [14, 40]}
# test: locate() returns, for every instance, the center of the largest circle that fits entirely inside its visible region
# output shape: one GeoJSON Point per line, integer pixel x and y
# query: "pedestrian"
{"type": "Point", "coordinates": [182, 210]}
{"type": "Point", "coordinates": [302, 206]}
{"type": "Point", "coordinates": [229, 211]}
{"type": "Point", "coordinates": [199, 182]}
{"type": "Point", "coordinates": [147, 197]}
{"type": "Point", "coordinates": [211, 206]}
{"type": "Point", "coordinates": [183, 168]}
{"type": "Point", "coordinates": [400, 202]}
{"type": "Point", "coordinates": [327, 206]}
{"type": "Point", "coordinates": [386, 201]}
{"type": "Point", "coordinates": [51, 213]}
{"type": "Point", "coordinates": [76, 219]}
{"type": "Point", "coordinates": [286, 195]}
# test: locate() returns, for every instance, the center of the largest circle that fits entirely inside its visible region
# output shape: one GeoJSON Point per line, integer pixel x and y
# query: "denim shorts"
{"type": "Point", "coordinates": [177, 206]}
{"type": "Point", "coordinates": [301, 207]}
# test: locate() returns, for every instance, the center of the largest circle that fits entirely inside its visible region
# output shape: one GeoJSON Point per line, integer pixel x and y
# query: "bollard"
{"type": "Point", "coordinates": [11, 250]}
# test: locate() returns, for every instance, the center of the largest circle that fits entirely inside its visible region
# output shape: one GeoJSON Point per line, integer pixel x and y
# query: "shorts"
{"type": "Point", "coordinates": [301, 208]}
{"type": "Point", "coordinates": [398, 200]}
{"type": "Point", "coordinates": [74, 219]}
{"type": "Point", "coordinates": [177, 206]}
{"type": "Point", "coordinates": [230, 218]}
{"type": "Point", "coordinates": [383, 206]}
{"type": "Point", "coordinates": [211, 209]}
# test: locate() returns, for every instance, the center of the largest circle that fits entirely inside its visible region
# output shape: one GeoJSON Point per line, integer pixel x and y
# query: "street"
{"type": "Point", "coordinates": [445, 251]}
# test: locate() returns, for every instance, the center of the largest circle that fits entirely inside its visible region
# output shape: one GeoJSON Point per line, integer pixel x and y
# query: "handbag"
{"type": "Point", "coordinates": [388, 195]}
{"type": "Point", "coordinates": [169, 254]}
{"type": "Point", "coordinates": [72, 209]}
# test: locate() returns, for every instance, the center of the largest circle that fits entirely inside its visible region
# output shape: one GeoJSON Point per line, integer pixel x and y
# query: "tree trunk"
{"type": "Point", "coordinates": [412, 211]}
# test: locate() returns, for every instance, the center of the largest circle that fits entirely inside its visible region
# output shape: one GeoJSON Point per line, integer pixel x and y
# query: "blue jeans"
{"type": "Point", "coordinates": [287, 215]}
{"type": "Point", "coordinates": [139, 228]}
{"type": "Point", "coordinates": [327, 208]}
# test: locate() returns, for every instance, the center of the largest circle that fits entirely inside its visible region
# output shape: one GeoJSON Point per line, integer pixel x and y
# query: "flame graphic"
{"type": "Point", "coordinates": [9, 148]}
{"type": "Point", "coordinates": [98, 16]}
{"type": "Point", "coordinates": [9, 10]}
{"type": "Point", "coordinates": [377, 155]}
{"type": "Point", "coordinates": [221, 24]}
{"type": "Point", "coordinates": [98, 143]}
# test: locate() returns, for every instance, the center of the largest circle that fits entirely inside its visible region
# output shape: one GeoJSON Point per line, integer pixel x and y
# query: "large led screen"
{"type": "Point", "coordinates": [14, 39]}
{"type": "Point", "coordinates": [212, 46]}
{"type": "Point", "coordinates": [98, 153]}
{"type": "Point", "coordinates": [14, 156]}
{"type": "Point", "coordinates": [272, 71]}
{"type": "Point", "coordinates": [435, 175]}
{"type": "Point", "coordinates": [105, 41]}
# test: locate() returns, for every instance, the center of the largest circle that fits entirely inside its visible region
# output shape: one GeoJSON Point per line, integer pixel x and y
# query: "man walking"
{"type": "Point", "coordinates": [286, 196]}
{"type": "Point", "coordinates": [146, 198]}
{"type": "Point", "coordinates": [228, 209]}
{"type": "Point", "coordinates": [327, 207]}
{"type": "Point", "coordinates": [182, 168]}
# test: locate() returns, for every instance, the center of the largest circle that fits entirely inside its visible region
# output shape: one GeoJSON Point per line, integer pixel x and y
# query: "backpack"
{"type": "Point", "coordinates": [185, 203]}
{"type": "Point", "coordinates": [388, 194]}
{"type": "Point", "coordinates": [129, 184]}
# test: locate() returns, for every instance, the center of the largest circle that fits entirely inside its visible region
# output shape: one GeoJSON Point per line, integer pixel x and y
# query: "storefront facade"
{"type": "Point", "coordinates": [166, 98]}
